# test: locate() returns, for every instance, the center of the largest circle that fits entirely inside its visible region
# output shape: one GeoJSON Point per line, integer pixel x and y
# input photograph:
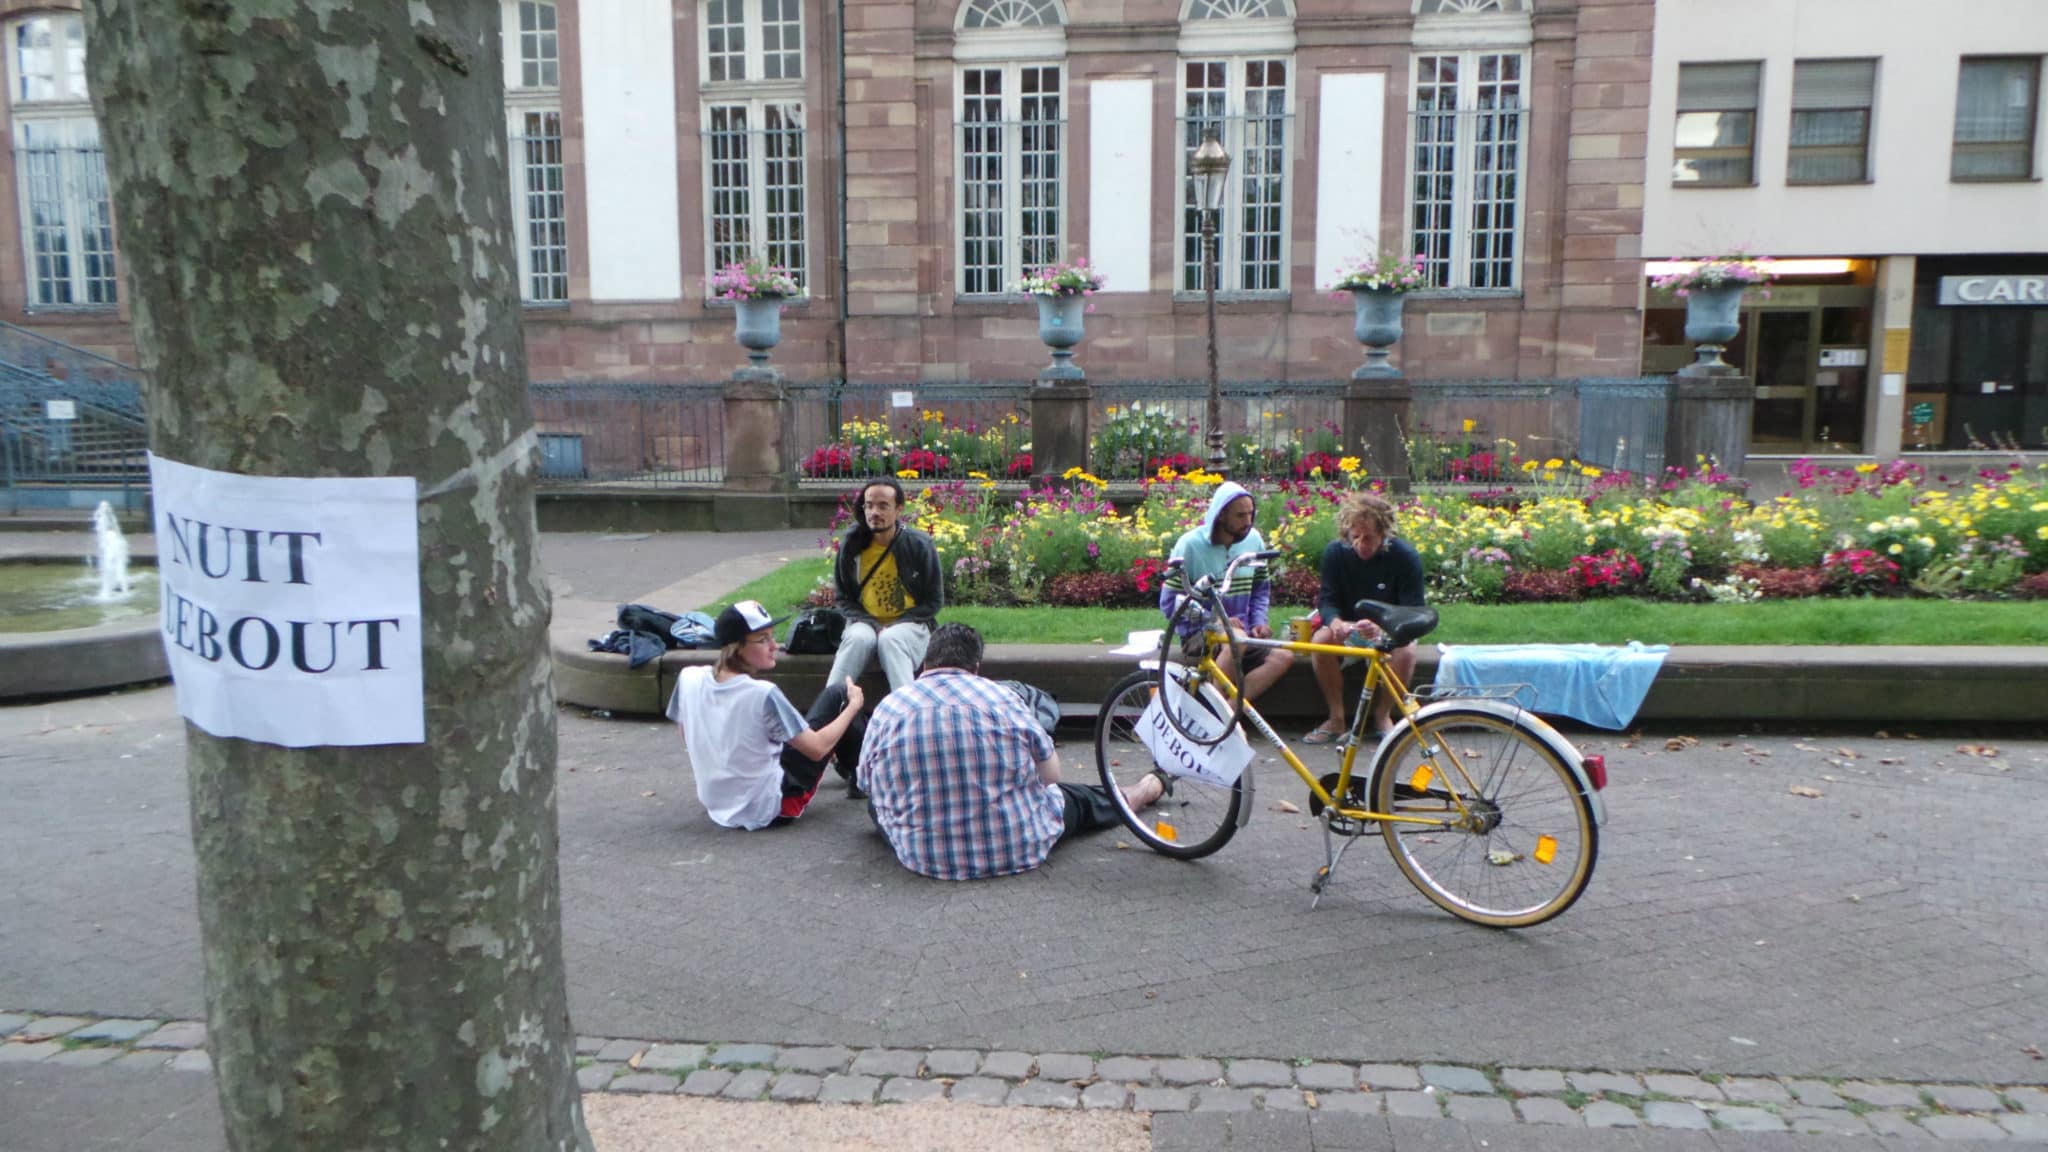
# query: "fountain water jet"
{"type": "Point", "coordinates": [112, 561]}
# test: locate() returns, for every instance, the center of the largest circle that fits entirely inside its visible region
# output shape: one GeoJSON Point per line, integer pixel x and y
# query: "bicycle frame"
{"type": "Point", "coordinates": [1377, 675]}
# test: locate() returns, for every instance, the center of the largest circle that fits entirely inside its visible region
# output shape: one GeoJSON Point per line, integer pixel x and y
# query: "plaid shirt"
{"type": "Point", "coordinates": [951, 766]}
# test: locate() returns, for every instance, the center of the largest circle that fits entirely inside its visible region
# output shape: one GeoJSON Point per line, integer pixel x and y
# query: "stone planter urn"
{"type": "Point", "coordinates": [1376, 321]}
{"type": "Point", "coordinates": [1062, 324]}
{"type": "Point", "coordinates": [757, 324]}
{"type": "Point", "coordinates": [1712, 318]}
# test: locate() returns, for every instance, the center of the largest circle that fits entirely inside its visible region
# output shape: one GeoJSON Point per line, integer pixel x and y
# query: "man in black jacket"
{"type": "Point", "coordinates": [889, 585]}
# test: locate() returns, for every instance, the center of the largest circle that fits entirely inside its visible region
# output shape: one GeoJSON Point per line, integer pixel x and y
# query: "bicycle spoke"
{"type": "Point", "coordinates": [1521, 850]}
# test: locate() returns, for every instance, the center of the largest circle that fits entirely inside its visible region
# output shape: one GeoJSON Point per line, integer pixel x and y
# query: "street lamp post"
{"type": "Point", "coordinates": [1210, 166]}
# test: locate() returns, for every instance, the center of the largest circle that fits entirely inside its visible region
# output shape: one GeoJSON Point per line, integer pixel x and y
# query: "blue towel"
{"type": "Point", "coordinates": [1593, 683]}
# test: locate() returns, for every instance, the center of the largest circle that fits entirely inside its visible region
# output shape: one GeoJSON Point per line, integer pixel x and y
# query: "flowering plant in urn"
{"type": "Point", "coordinates": [1076, 279]}
{"type": "Point", "coordinates": [1732, 271]}
{"type": "Point", "coordinates": [752, 279]}
{"type": "Point", "coordinates": [1384, 272]}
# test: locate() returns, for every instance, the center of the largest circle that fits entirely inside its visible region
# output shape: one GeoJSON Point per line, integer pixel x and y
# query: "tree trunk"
{"type": "Point", "coordinates": [313, 201]}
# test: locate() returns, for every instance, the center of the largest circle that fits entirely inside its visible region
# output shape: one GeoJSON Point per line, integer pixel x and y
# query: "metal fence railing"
{"type": "Point", "coordinates": [1270, 427]}
{"type": "Point", "coordinates": [1476, 431]}
{"type": "Point", "coordinates": [72, 429]}
{"type": "Point", "coordinates": [630, 433]}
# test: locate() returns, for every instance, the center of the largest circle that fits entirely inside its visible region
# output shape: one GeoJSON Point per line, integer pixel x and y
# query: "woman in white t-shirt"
{"type": "Point", "coordinates": [758, 761]}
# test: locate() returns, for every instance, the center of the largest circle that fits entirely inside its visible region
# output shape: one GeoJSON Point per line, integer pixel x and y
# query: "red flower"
{"type": "Point", "coordinates": [1147, 570]}
{"type": "Point", "coordinates": [829, 460]}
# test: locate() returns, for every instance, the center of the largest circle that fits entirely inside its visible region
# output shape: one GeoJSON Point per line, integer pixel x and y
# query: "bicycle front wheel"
{"type": "Point", "coordinates": [1194, 817]}
{"type": "Point", "coordinates": [1522, 849]}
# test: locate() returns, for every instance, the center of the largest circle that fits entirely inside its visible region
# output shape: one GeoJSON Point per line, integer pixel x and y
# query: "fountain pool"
{"type": "Point", "coordinates": [71, 626]}
{"type": "Point", "coordinates": [47, 595]}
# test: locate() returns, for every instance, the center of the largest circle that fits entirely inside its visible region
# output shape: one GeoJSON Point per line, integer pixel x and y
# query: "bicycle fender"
{"type": "Point", "coordinates": [1534, 724]}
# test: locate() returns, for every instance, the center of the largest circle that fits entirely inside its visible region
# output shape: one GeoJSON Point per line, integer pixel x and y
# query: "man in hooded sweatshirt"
{"type": "Point", "coordinates": [1225, 533]}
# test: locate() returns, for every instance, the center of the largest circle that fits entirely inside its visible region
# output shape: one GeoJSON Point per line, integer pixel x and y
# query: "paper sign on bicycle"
{"type": "Point", "coordinates": [1219, 763]}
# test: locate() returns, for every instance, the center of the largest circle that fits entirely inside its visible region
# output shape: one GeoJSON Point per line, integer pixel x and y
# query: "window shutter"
{"type": "Point", "coordinates": [1833, 84]}
{"type": "Point", "coordinates": [1717, 87]}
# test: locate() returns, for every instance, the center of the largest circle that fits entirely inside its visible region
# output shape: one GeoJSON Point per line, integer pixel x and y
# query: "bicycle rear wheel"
{"type": "Point", "coordinates": [1526, 851]}
{"type": "Point", "coordinates": [1195, 817]}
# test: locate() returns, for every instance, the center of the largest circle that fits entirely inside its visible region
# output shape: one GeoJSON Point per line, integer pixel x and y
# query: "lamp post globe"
{"type": "Point", "coordinates": [1210, 166]}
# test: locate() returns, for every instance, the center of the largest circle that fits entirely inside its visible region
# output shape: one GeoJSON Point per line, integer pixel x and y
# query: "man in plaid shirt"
{"type": "Point", "coordinates": [964, 782]}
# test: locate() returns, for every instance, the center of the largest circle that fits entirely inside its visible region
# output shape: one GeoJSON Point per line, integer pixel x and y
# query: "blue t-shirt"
{"type": "Point", "coordinates": [1393, 576]}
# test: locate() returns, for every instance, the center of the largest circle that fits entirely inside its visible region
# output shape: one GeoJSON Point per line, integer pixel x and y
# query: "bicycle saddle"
{"type": "Point", "coordinates": [1401, 624]}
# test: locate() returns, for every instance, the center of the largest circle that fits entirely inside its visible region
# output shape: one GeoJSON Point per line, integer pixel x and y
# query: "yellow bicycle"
{"type": "Point", "coordinates": [1487, 809]}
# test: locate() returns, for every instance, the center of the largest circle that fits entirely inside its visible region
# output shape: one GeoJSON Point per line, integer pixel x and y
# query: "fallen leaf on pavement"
{"type": "Point", "coordinates": [1881, 734]}
{"type": "Point", "coordinates": [1680, 743]}
{"type": "Point", "coordinates": [1985, 750]}
{"type": "Point", "coordinates": [2033, 1050]}
{"type": "Point", "coordinates": [1809, 793]}
{"type": "Point", "coordinates": [1851, 753]}
{"type": "Point", "coordinates": [647, 794]}
{"type": "Point", "coordinates": [1806, 747]}
{"type": "Point", "coordinates": [1123, 846]}
{"type": "Point", "coordinates": [1286, 806]}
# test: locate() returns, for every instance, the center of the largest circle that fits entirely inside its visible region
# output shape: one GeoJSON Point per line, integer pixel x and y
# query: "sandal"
{"type": "Point", "coordinates": [1322, 735]}
{"type": "Point", "coordinates": [1165, 783]}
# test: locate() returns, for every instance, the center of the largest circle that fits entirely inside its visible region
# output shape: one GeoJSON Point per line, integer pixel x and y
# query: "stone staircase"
{"type": "Point", "coordinates": [72, 427]}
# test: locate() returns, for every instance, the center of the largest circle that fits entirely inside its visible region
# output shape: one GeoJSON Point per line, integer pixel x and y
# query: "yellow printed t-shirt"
{"type": "Point", "coordinates": [884, 597]}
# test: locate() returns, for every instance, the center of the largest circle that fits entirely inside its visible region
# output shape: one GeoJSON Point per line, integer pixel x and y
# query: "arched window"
{"type": "Point", "coordinates": [755, 184]}
{"type": "Point", "coordinates": [1468, 7]}
{"type": "Point", "coordinates": [1236, 83]}
{"type": "Point", "coordinates": [1010, 123]}
{"type": "Point", "coordinates": [1001, 15]}
{"type": "Point", "coordinates": [1469, 121]}
{"type": "Point", "coordinates": [67, 225]}
{"type": "Point", "coordinates": [533, 113]}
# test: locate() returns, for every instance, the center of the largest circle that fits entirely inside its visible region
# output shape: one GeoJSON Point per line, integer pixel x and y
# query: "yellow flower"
{"type": "Point", "coordinates": [977, 475]}
{"type": "Point", "coordinates": [1552, 464]}
{"type": "Point", "coordinates": [1470, 425]}
{"type": "Point", "coordinates": [1529, 465]}
{"type": "Point", "coordinates": [1070, 473]}
{"type": "Point", "coordinates": [1874, 526]}
{"type": "Point", "coordinates": [907, 473]}
{"type": "Point", "coordinates": [1348, 465]}
{"type": "Point", "coordinates": [1866, 468]}
{"type": "Point", "coordinates": [1896, 549]}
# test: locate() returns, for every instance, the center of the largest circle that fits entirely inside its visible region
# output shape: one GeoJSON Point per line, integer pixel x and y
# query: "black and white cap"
{"type": "Point", "coordinates": [740, 621]}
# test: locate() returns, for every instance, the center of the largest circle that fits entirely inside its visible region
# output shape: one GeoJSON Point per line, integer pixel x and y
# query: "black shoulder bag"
{"type": "Point", "coordinates": [817, 631]}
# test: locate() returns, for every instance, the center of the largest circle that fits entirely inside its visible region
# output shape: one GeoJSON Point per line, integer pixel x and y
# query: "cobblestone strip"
{"type": "Point", "coordinates": [1569, 1097]}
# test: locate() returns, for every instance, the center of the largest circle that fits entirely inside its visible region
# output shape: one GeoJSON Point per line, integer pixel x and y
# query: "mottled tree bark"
{"type": "Point", "coordinates": [315, 217]}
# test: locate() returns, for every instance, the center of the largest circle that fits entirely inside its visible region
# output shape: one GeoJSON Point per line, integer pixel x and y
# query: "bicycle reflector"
{"type": "Point", "coordinates": [1596, 771]}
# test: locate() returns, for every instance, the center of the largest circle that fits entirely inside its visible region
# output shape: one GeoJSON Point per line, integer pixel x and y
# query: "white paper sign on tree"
{"type": "Point", "coordinates": [291, 606]}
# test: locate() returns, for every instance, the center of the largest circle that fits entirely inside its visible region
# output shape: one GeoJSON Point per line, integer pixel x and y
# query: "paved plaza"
{"type": "Point", "coordinates": [1743, 946]}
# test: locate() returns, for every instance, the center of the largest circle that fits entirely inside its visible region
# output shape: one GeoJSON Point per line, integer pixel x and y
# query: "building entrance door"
{"type": "Point", "coordinates": [1783, 369]}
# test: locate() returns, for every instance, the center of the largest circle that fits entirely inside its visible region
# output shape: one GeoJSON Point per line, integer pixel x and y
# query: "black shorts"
{"type": "Point", "coordinates": [1192, 646]}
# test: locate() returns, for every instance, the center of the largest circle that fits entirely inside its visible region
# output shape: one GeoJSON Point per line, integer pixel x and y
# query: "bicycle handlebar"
{"type": "Point", "coordinates": [1206, 586]}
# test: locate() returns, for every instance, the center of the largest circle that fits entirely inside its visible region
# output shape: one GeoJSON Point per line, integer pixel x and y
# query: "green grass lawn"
{"type": "Point", "coordinates": [1591, 621]}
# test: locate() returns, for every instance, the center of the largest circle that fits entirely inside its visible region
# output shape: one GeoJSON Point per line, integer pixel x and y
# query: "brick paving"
{"type": "Point", "coordinates": [1489, 1096]}
{"type": "Point", "coordinates": [1731, 925]}
{"type": "Point", "coordinates": [1868, 963]}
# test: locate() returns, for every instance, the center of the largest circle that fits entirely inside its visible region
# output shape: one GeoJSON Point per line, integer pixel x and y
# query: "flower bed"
{"type": "Point", "coordinates": [1867, 531]}
{"type": "Point", "coordinates": [925, 445]}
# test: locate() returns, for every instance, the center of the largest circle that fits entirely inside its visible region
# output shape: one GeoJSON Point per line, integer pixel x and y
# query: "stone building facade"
{"type": "Point", "coordinates": [912, 158]}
